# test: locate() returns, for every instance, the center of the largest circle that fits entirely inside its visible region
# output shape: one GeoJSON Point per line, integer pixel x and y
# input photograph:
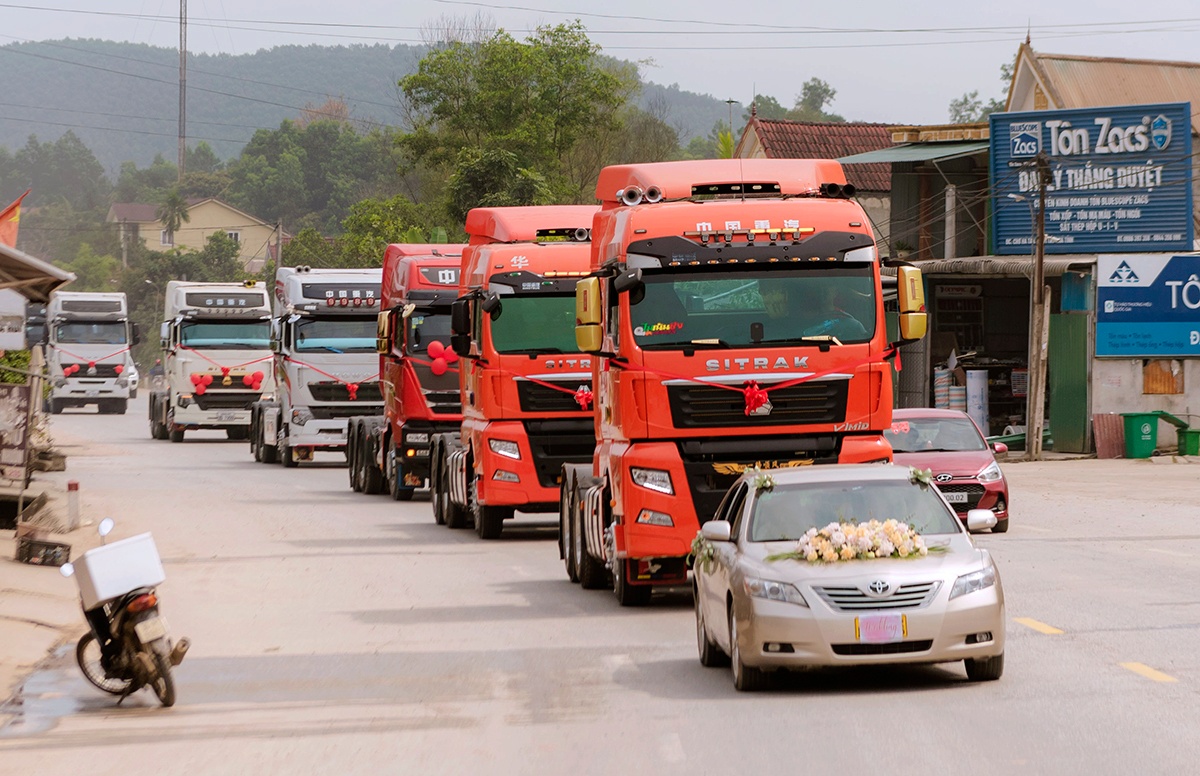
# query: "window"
{"type": "Point", "coordinates": [166, 238]}
{"type": "Point", "coordinates": [788, 511]}
{"type": "Point", "coordinates": [235, 236]}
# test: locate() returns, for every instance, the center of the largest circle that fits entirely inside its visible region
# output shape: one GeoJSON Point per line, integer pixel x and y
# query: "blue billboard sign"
{"type": "Point", "coordinates": [1148, 306]}
{"type": "Point", "coordinates": [1120, 179]}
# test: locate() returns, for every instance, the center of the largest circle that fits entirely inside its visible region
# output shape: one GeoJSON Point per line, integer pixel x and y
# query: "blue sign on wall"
{"type": "Point", "coordinates": [1121, 179]}
{"type": "Point", "coordinates": [1148, 306]}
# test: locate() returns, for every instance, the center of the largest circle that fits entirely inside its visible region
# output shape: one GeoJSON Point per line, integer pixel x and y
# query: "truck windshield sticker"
{"type": "Point", "coordinates": [651, 329]}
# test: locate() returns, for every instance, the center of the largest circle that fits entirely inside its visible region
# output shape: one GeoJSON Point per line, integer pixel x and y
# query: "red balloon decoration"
{"type": "Point", "coordinates": [439, 366]}
{"type": "Point", "coordinates": [119, 368]}
{"type": "Point", "coordinates": [450, 356]}
{"type": "Point", "coordinates": [200, 389]}
{"type": "Point", "coordinates": [436, 349]}
{"type": "Point", "coordinates": [352, 390]}
{"type": "Point", "coordinates": [208, 379]}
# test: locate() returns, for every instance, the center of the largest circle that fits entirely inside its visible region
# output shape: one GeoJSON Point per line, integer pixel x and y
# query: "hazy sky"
{"type": "Point", "coordinates": [889, 61]}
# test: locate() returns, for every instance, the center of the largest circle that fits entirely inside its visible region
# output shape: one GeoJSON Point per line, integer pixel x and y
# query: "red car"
{"type": "Point", "coordinates": [948, 443]}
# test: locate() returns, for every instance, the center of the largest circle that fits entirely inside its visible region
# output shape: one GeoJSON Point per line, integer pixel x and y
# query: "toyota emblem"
{"type": "Point", "coordinates": [944, 477]}
{"type": "Point", "coordinates": [879, 588]}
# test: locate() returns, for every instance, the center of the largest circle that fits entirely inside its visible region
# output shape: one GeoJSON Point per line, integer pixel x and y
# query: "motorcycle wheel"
{"type": "Point", "coordinates": [87, 655]}
{"type": "Point", "coordinates": [163, 685]}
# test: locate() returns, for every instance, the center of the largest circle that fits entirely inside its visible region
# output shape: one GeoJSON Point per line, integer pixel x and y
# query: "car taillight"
{"type": "Point", "coordinates": [142, 603]}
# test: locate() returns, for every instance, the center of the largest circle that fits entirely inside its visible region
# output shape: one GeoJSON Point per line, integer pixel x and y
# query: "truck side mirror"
{"type": "Point", "coordinates": [910, 297]}
{"type": "Point", "coordinates": [491, 305]}
{"type": "Point", "coordinates": [461, 344]}
{"type": "Point", "coordinates": [383, 331]}
{"type": "Point", "coordinates": [136, 334]}
{"type": "Point", "coordinates": [589, 335]}
{"type": "Point", "coordinates": [460, 317]}
{"type": "Point", "coordinates": [164, 335]}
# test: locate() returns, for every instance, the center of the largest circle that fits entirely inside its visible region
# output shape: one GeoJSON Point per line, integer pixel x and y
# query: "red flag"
{"type": "Point", "coordinates": [10, 219]}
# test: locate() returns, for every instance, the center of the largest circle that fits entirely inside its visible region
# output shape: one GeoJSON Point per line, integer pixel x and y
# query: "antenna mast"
{"type": "Point", "coordinates": [182, 86]}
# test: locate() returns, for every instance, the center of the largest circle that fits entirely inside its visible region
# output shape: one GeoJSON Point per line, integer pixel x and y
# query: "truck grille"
{"type": "Point", "coordinates": [898, 648]}
{"type": "Point", "coordinates": [706, 406]}
{"type": "Point", "coordinates": [328, 390]}
{"type": "Point", "coordinates": [102, 370]}
{"type": "Point", "coordinates": [712, 466]}
{"type": "Point", "coordinates": [225, 400]}
{"type": "Point", "coordinates": [540, 398]}
{"type": "Point", "coordinates": [851, 599]}
{"type": "Point", "coordinates": [974, 494]}
{"type": "Point", "coordinates": [555, 442]}
{"type": "Point", "coordinates": [443, 402]}
{"type": "Point", "coordinates": [338, 411]}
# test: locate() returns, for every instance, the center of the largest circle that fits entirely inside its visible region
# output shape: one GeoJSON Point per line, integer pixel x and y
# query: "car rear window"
{"type": "Point", "coordinates": [788, 511]}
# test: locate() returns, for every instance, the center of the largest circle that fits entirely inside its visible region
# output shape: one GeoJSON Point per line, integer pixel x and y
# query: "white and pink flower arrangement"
{"type": "Point", "coordinates": [857, 541]}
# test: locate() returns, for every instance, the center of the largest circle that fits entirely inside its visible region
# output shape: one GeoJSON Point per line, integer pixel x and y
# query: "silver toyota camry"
{"type": "Point", "coordinates": [844, 565]}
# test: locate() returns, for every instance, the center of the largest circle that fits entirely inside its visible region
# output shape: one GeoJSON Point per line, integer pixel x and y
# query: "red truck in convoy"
{"type": "Point", "coordinates": [735, 318]}
{"type": "Point", "coordinates": [526, 390]}
{"type": "Point", "coordinates": [418, 372]}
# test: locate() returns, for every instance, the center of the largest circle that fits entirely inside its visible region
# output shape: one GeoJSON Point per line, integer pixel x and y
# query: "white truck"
{"type": "Point", "coordinates": [323, 335]}
{"type": "Point", "coordinates": [216, 358]}
{"type": "Point", "coordinates": [87, 351]}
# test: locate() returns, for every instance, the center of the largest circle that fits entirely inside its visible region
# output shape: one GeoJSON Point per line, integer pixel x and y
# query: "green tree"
{"type": "Point", "coordinates": [971, 109]}
{"type": "Point", "coordinates": [308, 247]}
{"type": "Point", "coordinates": [62, 171]}
{"type": "Point", "coordinates": [373, 224]}
{"type": "Point", "coordinates": [148, 185]}
{"type": "Point", "coordinates": [766, 107]}
{"type": "Point", "coordinates": [202, 159]}
{"type": "Point", "coordinates": [172, 211]}
{"type": "Point", "coordinates": [93, 272]}
{"type": "Point", "coordinates": [493, 178]}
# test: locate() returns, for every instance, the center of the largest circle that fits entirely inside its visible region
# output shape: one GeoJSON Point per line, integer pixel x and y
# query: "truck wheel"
{"type": "Point", "coordinates": [176, 433]}
{"type": "Point", "coordinates": [372, 477]}
{"type": "Point", "coordinates": [457, 515]}
{"type": "Point", "coordinates": [56, 406]}
{"type": "Point", "coordinates": [627, 594]}
{"type": "Point", "coordinates": [566, 545]}
{"type": "Point", "coordinates": [267, 452]}
{"type": "Point", "coordinates": [489, 521]}
{"type": "Point", "coordinates": [285, 451]}
{"type": "Point", "coordinates": [395, 479]}
{"type": "Point", "coordinates": [120, 406]}
{"type": "Point", "coordinates": [352, 458]}
{"type": "Point", "coordinates": [157, 430]}
{"type": "Point", "coordinates": [238, 433]}
{"type": "Point", "coordinates": [437, 491]}
{"type": "Point", "coordinates": [592, 574]}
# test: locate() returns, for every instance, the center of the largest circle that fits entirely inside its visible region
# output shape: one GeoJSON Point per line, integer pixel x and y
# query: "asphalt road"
{"type": "Point", "coordinates": [337, 632]}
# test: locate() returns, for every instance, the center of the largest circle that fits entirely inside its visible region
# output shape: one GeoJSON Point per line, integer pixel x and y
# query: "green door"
{"type": "Point", "coordinates": [1067, 413]}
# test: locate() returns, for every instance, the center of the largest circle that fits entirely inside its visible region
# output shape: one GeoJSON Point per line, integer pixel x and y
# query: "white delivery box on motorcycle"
{"type": "Point", "coordinates": [112, 570]}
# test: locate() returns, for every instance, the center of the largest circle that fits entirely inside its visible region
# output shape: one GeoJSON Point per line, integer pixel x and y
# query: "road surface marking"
{"type": "Point", "coordinates": [1040, 627]}
{"type": "Point", "coordinates": [1144, 670]}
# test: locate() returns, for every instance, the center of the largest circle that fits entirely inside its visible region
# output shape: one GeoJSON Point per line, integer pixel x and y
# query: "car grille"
{"type": "Point", "coordinates": [713, 465]}
{"type": "Point", "coordinates": [974, 494]}
{"type": "Point", "coordinates": [898, 648]}
{"type": "Point", "coordinates": [535, 397]}
{"type": "Point", "coordinates": [555, 442]}
{"type": "Point", "coordinates": [225, 400]}
{"type": "Point", "coordinates": [851, 599]}
{"type": "Point", "coordinates": [706, 406]}
{"type": "Point", "coordinates": [328, 390]}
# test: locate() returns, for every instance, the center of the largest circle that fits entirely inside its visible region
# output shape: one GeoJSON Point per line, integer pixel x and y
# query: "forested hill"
{"type": "Point", "coordinates": [122, 99]}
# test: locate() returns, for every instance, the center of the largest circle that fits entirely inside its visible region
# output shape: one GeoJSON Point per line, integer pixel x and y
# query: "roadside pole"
{"type": "Point", "coordinates": [1040, 333]}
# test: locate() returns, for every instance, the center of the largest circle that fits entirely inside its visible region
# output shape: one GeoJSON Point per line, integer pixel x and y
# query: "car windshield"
{"type": "Point", "coordinates": [744, 309]}
{"type": "Point", "coordinates": [923, 435]}
{"type": "Point", "coordinates": [427, 327]}
{"type": "Point", "coordinates": [252, 335]}
{"type": "Point", "coordinates": [539, 323]}
{"type": "Point", "coordinates": [83, 333]}
{"type": "Point", "coordinates": [788, 511]}
{"type": "Point", "coordinates": [335, 335]}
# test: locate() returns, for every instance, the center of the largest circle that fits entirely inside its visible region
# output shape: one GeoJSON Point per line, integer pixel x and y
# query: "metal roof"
{"type": "Point", "coordinates": [1003, 266]}
{"type": "Point", "coordinates": [32, 278]}
{"type": "Point", "coordinates": [918, 152]}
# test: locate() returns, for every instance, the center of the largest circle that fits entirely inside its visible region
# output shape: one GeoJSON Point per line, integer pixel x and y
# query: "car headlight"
{"type": "Point", "coordinates": [301, 415]}
{"type": "Point", "coordinates": [990, 473]}
{"type": "Point", "coordinates": [773, 591]}
{"type": "Point", "coordinates": [506, 448]}
{"type": "Point", "coordinates": [652, 479]}
{"type": "Point", "coordinates": [973, 582]}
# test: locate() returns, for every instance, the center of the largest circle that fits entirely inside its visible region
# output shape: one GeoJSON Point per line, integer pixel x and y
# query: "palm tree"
{"type": "Point", "coordinates": [172, 212]}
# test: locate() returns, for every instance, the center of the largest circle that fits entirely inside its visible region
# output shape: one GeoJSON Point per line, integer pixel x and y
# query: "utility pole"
{"type": "Point", "coordinates": [182, 86]}
{"type": "Point", "coordinates": [1040, 328]}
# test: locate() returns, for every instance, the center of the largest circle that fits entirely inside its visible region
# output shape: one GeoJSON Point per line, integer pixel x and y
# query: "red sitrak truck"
{"type": "Point", "coordinates": [735, 318]}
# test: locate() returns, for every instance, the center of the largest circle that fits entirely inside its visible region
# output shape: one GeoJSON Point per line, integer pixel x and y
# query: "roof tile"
{"type": "Point", "coordinates": [783, 139]}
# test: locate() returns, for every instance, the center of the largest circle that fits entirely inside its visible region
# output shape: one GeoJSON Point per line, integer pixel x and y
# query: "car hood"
{"type": "Point", "coordinates": [960, 557]}
{"type": "Point", "coordinates": [959, 463]}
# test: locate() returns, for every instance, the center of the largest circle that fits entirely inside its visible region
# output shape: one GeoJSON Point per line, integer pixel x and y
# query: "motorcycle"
{"type": "Point", "coordinates": [127, 646]}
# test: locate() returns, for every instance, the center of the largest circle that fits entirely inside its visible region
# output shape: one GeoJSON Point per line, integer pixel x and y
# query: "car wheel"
{"type": "Point", "coordinates": [711, 655]}
{"type": "Point", "coordinates": [987, 669]}
{"type": "Point", "coordinates": [1001, 526]}
{"type": "Point", "coordinates": [745, 678]}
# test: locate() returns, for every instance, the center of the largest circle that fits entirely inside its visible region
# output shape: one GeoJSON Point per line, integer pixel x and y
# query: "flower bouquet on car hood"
{"type": "Point", "coordinates": [857, 541]}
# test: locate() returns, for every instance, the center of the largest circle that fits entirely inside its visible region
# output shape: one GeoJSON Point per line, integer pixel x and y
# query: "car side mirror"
{"type": "Point", "coordinates": [719, 530]}
{"type": "Point", "coordinates": [999, 448]}
{"type": "Point", "coordinates": [980, 520]}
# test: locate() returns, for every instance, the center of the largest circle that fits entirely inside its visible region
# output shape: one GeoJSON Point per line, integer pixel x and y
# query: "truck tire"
{"type": "Point", "coordinates": [285, 451]}
{"type": "Point", "coordinates": [627, 594]}
{"type": "Point", "coordinates": [436, 489]}
{"type": "Point", "coordinates": [176, 433]}
{"type": "Point", "coordinates": [372, 478]}
{"type": "Point", "coordinates": [395, 474]}
{"type": "Point", "coordinates": [457, 515]}
{"type": "Point", "coordinates": [56, 406]}
{"type": "Point", "coordinates": [352, 444]}
{"type": "Point", "coordinates": [565, 543]}
{"type": "Point", "coordinates": [591, 572]}
{"type": "Point", "coordinates": [489, 521]}
{"type": "Point", "coordinates": [120, 406]}
{"type": "Point", "coordinates": [267, 453]}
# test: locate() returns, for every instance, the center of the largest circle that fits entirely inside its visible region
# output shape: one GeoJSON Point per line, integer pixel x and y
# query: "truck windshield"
{"type": "Point", "coordinates": [84, 333]}
{"type": "Point", "coordinates": [426, 327]}
{"type": "Point", "coordinates": [537, 323]}
{"type": "Point", "coordinates": [253, 335]}
{"type": "Point", "coordinates": [764, 307]}
{"type": "Point", "coordinates": [336, 335]}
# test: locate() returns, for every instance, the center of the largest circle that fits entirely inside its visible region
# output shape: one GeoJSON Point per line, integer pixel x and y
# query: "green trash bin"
{"type": "Point", "coordinates": [1141, 434]}
{"type": "Point", "coordinates": [1189, 441]}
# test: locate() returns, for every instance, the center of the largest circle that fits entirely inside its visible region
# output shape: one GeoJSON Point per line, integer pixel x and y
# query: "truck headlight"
{"type": "Point", "coordinates": [990, 473]}
{"type": "Point", "coordinates": [973, 582]}
{"type": "Point", "coordinates": [652, 479]}
{"type": "Point", "coordinates": [301, 415]}
{"type": "Point", "coordinates": [417, 439]}
{"type": "Point", "coordinates": [506, 448]}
